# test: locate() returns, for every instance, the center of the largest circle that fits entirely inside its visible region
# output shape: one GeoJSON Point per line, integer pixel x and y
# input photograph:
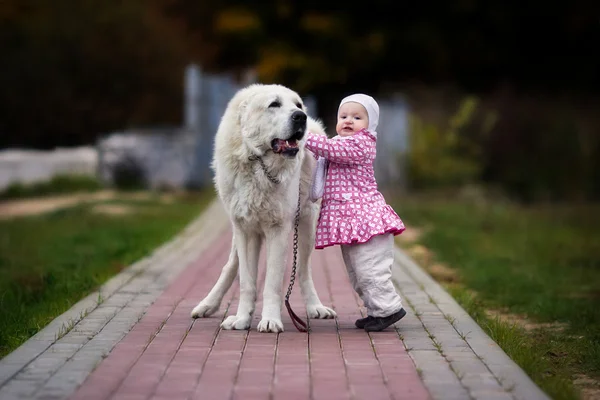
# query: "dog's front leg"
{"type": "Point", "coordinates": [277, 246]}
{"type": "Point", "coordinates": [248, 245]}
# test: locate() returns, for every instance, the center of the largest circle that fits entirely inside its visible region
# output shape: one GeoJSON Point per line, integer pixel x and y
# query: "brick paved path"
{"type": "Point", "coordinates": [140, 342]}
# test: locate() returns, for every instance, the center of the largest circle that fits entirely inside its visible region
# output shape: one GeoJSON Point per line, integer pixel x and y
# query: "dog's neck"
{"type": "Point", "coordinates": [265, 169]}
{"type": "Point", "coordinates": [276, 167]}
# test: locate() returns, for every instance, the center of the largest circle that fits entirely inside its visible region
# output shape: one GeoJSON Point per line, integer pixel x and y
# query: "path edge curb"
{"type": "Point", "coordinates": [509, 373]}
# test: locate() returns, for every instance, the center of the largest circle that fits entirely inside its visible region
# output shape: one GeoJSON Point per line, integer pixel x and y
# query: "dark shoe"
{"type": "Point", "coordinates": [380, 323]}
{"type": "Point", "coordinates": [360, 323]}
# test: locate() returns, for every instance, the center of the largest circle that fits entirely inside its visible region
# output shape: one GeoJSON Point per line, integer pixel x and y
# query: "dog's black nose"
{"type": "Point", "coordinates": [298, 116]}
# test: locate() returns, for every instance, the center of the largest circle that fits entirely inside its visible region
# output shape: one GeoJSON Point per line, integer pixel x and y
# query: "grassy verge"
{"type": "Point", "coordinates": [49, 262]}
{"type": "Point", "coordinates": [58, 185]}
{"type": "Point", "coordinates": [529, 276]}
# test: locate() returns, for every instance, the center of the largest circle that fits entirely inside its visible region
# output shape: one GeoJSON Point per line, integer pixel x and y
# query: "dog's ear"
{"type": "Point", "coordinates": [246, 117]}
{"type": "Point", "coordinates": [241, 111]}
{"type": "Point", "coordinates": [244, 108]}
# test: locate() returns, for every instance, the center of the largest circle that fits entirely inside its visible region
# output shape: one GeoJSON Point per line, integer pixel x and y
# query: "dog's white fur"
{"type": "Point", "coordinates": [261, 210]}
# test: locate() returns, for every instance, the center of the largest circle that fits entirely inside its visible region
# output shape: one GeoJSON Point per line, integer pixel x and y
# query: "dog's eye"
{"type": "Point", "coordinates": [299, 105]}
{"type": "Point", "coordinates": [275, 104]}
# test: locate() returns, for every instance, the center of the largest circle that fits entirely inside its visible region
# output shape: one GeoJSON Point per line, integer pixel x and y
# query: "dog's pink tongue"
{"type": "Point", "coordinates": [279, 146]}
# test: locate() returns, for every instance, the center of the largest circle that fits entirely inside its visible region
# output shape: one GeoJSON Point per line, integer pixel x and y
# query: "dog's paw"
{"type": "Point", "coordinates": [319, 311]}
{"type": "Point", "coordinates": [204, 309]}
{"type": "Point", "coordinates": [270, 325]}
{"type": "Point", "coordinates": [237, 323]}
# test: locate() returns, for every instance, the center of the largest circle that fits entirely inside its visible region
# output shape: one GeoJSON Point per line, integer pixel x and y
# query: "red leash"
{"type": "Point", "coordinates": [298, 323]}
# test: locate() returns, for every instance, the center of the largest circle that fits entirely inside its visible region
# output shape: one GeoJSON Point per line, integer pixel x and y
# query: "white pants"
{"type": "Point", "coordinates": [369, 267]}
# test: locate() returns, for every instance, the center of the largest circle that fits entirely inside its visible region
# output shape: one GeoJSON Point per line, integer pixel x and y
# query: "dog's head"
{"type": "Point", "coordinates": [273, 117]}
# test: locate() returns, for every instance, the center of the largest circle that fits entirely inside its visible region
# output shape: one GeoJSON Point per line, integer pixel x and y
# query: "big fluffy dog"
{"type": "Point", "coordinates": [261, 167]}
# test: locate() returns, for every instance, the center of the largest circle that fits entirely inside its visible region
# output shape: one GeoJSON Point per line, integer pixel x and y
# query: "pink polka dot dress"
{"type": "Point", "coordinates": [352, 209]}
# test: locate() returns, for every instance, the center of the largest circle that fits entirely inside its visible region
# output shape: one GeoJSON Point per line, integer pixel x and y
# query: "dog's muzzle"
{"type": "Point", "coordinates": [289, 147]}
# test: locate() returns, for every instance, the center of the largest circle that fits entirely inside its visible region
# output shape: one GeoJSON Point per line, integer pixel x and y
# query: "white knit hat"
{"type": "Point", "coordinates": [369, 104]}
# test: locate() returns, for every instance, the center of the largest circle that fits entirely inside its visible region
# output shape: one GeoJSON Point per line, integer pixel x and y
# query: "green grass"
{"type": "Point", "coordinates": [58, 185]}
{"type": "Point", "coordinates": [49, 262]}
{"type": "Point", "coordinates": [541, 262]}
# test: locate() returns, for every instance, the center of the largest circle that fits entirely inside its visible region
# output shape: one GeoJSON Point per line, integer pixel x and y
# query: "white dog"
{"type": "Point", "coordinates": [260, 170]}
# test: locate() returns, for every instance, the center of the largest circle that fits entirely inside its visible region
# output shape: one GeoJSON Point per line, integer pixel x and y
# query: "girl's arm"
{"type": "Point", "coordinates": [350, 150]}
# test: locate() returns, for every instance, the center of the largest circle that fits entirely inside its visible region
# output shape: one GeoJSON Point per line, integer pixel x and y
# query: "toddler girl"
{"type": "Point", "coordinates": [354, 213]}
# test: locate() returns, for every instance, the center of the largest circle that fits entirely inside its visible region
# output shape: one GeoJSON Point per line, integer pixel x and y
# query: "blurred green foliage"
{"type": "Point", "coordinates": [444, 155]}
{"type": "Point", "coordinates": [545, 149]}
{"type": "Point", "coordinates": [532, 149]}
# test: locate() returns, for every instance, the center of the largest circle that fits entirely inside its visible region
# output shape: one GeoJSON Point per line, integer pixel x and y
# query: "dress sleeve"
{"type": "Point", "coordinates": [349, 150]}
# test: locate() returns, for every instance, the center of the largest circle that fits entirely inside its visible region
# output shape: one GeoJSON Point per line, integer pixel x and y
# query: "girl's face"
{"type": "Point", "coordinates": [352, 117]}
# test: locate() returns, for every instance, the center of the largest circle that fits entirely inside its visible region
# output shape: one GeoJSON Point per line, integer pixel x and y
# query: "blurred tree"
{"type": "Point", "coordinates": [329, 48]}
{"type": "Point", "coordinates": [478, 45]}
{"type": "Point", "coordinates": [73, 69]}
